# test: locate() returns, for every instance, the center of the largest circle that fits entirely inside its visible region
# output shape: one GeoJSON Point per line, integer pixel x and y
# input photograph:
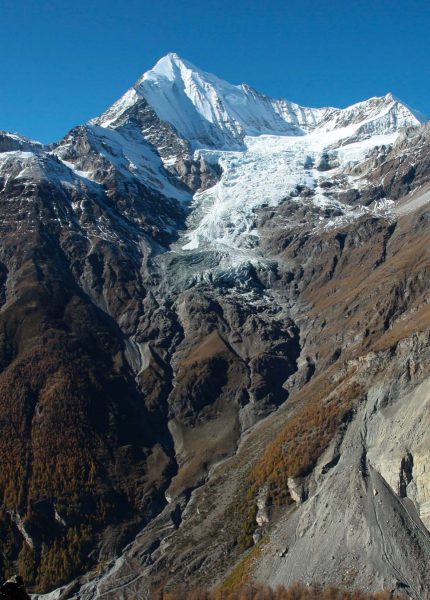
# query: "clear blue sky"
{"type": "Point", "coordinates": [63, 62]}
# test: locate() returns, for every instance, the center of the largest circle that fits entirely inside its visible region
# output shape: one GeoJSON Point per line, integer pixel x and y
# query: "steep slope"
{"type": "Point", "coordinates": [80, 450]}
{"type": "Point", "coordinates": [182, 278]}
{"type": "Point", "coordinates": [208, 111]}
{"type": "Point", "coordinates": [337, 473]}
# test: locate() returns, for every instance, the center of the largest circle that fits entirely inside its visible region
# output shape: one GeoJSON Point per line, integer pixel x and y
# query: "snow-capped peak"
{"type": "Point", "coordinates": [168, 66]}
{"type": "Point", "coordinates": [13, 141]}
{"type": "Point", "coordinates": [211, 113]}
{"type": "Point", "coordinates": [379, 115]}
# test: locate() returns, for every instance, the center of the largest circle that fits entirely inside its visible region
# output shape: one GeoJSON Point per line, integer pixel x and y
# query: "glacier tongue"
{"type": "Point", "coordinates": [267, 172]}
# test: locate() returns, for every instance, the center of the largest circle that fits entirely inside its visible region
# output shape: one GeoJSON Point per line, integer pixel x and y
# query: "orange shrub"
{"type": "Point", "coordinates": [262, 592]}
{"type": "Point", "coordinates": [296, 449]}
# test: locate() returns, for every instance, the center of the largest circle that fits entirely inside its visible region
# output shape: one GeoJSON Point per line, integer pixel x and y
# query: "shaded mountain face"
{"type": "Point", "coordinates": [214, 336]}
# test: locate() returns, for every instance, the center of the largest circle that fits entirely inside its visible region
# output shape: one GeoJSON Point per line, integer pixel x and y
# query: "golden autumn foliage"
{"type": "Point", "coordinates": [241, 574]}
{"type": "Point", "coordinates": [320, 411]}
{"type": "Point", "coordinates": [296, 449]}
{"type": "Point", "coordinates": [261, 592]}
{"type": "Point", "coordinates": [66, 418]}
{"type": "Point", "coordinates": [65, 558]}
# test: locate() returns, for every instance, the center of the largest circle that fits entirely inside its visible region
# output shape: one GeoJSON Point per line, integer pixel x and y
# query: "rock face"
{"type": "Point", "coordinates": [214, 333]}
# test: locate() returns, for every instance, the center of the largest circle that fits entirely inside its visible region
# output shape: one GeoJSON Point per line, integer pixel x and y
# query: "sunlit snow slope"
{"type": "Point", "coordinates": [210, 112]}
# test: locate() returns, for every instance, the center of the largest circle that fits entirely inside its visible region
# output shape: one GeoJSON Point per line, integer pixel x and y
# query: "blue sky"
{"type": "Point", "coordinates": [62, 63]}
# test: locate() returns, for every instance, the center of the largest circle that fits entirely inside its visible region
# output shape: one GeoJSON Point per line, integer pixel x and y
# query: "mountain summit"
{"type": "Point", "coordinates": [209, 111]}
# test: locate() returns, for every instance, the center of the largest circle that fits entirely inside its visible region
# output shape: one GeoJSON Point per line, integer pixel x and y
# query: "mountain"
{"type": "Point", "coordinates": [210, 112]}
{"type": "Point", "coordinates": [214, 344]}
